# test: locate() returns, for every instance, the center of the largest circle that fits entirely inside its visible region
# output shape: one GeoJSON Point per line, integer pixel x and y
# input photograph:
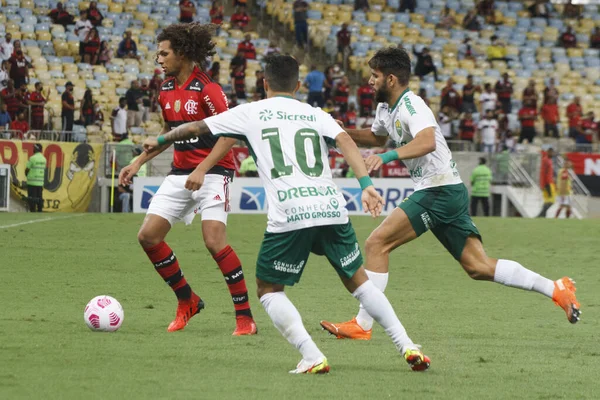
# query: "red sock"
{"type": "Point", "coordinates": [558, 212]}
{"type": "Point", "coordinates": [231, 267]}
{"type": "Point", "coordinates": [568, 212]}
{"type": "Point", "coordinates": [167, 266]}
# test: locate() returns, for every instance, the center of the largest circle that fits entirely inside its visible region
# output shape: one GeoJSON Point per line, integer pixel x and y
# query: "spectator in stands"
{"type": "Point", "coordinates": [248, 167]}
{"type": "Point", "coordinates": [527, 116]}
{"type": "Point", "coordinates": [91, 47]}
{"type": "Point", "coordinates": [568, 39]}
{"type": "Point", "coordinates": [447, 19]}
{"type": "Point", "coordinates": [240, 19]}
{"type": "Point", "coordinates": [237, 61]}
{"type": "Point", "coordinates": [423, 94]}
{"type": "Point", "coordinates": [94, 15]}
{"type": "Point", "coordinates": [329, 107]}
{"type": "Point", "coordinates": [589, 130]}
{"type": "Point", "coordinates": [86, 109]}
{"type": "Point", "coordinates": [574, 113]}
{"type": "Point", "coordinates": [238, 81]}
{"type": "Point", "coordinates": [407, 5]}
{"type": "Point", "coordinates": [314, 82]}
{"type": "Point", "coordinates": [68, 109]}
{"type": "Point", "coordinates": [550, 93]}
{"type": "Point", "coordinates": [217, 13]}
{"type": "Point", "coordinates": [466, 50]}
{"type": "Point", "coordinates": [329, 82]}
{"type": "Point", "coordinates": [445, 118]}
{"type": "Point", "coordinates": [127, 47]}
{"type": "Point", "coordinates": [365, 95]}
{"type": "Point", "coordinates": [146, 98]}
{"type": "Point", "coordinates": [361, 5]}
{"type": "Point", "coordinates": [488, 132]}
{"type": "Point", "coordinates": [4, 74]}
{"type": "Point", "coordinates": [504, 90]}
{"type": "Point", "coordinates": [468, 96]}
{"type": "Point", "coordinates": [341, 92]}
{"type": "Point", "coordinates": [595, 38]}
{"type": "Point", "coordinates": [466, 129]}
{"type": "Point", "coordinates": [187, 10]}
{"type": "Point", "coordinates": [529, 93]}
{"type": "Point", "coordinates": [272, 49]}
{"type": "Point", "coordinates": [344, 37]}
{"type": "Point", "coordinates": [451, 98]}
{"type": "Point", "coordinates": [125, 193]}
{"type": "Point", "coordinates": [539, 9]}
{"type": "Point", "coordinates": [7, 47]}
{"type": "Point", "coordinates": [509, 141]}
{"type": "Point", "coordinates": [135, 108]}
{"type": "Point", "coordinates": [246, 47]}
{"type": "Point", "coordinates": [9, 97]}
{"type": "Point", "coordinates": [60, 16]}
{"type": "Point", "coordinates": [157, 80]}
{"type": "Point", "coordinates": [105, 54]}
{"type": "Point", "coordinates": [119, 119]}
{"type": "Point", "coordinates": [19, 69]}
{"type": "Point", "coordinates": [82, 28]}
{"type": "Point", "coordinates": [485, 8]}
{"type": "Point", "coordinates": [37, 101]}
{"type": "Point", "coordinates": [232, 100]}
{"type": "Point", "coordinates": [5, 118]}
{"type": "Point", "coordinates": [481, 178]}
{"type": "Point", "coordinates": [424, 64]}
{"type": "Point", "coordinates": [98, 115]}
{"type": "Point", "coordinates": [549, 114]}
{"type": "Point", "coordinates": [260, 85]}
{"type": "Point", "coordinates": [214, 72]}
{"type": "Point", "coordinates": [470, 22]}
{"type": "Point", "coordinates": [19, 125]}
{"type": "Point", "coordinates": [350, 117]}
{"type": "Point", "coordinates": [571, 10]}
{"type": "Point", "coordinates": [23, 98]}
{"type": "Point", "coordinates": [547, 181]}
{"type": "Point", "coordinates": [496, 51]}
{"type": "Point", "coordinates": [300, 22]}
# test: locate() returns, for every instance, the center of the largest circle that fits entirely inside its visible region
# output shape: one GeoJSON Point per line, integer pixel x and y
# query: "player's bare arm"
{"type": "Point", "coordinates": [364, 137]}
{"type": "Point", "coordinates": [422, 144]}
{"type": "Point", "coordinates": [372, 201]}
{"type": "Point", "coordinates": [182, 132]}
{"type": "Point", "coordinates": [220, 150]}
{"type": "Point", "coordinates": [128, 172]}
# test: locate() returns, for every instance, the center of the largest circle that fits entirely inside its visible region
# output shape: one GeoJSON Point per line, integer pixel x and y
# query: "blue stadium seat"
{"type": "Point", "coordinates": [67, 60]}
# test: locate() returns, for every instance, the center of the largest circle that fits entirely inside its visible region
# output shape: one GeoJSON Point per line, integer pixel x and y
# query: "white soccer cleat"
{"type": "Point", "coordinates": [320, 366]}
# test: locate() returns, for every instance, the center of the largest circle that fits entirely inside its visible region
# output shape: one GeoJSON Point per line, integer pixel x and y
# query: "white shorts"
{"type": "Point", "coordinates": [564, 200]}
{"type": "Point", "coordinates": [175, 203]}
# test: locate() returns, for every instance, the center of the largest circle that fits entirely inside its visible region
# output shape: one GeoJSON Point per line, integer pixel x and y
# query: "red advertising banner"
{"type": "Point", "coordinates": [587, 168]}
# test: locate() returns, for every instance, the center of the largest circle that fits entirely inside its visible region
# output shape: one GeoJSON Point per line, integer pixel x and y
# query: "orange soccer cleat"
{"type": "Point", "coordinates": [347, 330]}
{"type": "Point", "coordinates": [564, 296]}
{"type": "Point", "coordinates": [186, 309]}
{"type": "Point", "coordinates": [244, 325]}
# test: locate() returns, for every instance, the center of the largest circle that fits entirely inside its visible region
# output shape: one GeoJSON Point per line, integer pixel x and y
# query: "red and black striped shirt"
{"type": "Point", "coordinates": [198, 98]}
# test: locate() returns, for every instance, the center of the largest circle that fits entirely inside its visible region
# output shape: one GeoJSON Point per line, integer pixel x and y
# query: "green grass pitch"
{"type": "Point", "coordinates": [485, 340]}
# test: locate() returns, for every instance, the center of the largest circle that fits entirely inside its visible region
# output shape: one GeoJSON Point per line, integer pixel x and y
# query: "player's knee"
{"type": "Point", "coordinates": [214, 244]}
{"type": "Point", "coordinates": [374, 243]}
{"type": "Point", "coordinates": [147, 240]}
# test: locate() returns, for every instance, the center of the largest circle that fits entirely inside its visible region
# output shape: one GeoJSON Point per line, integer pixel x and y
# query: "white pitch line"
{"type": "Point", "coordinates": [33, 221]}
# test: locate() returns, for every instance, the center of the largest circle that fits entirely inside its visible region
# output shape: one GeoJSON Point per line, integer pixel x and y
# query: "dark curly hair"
{"type": "Point", "coordinates": [392, 61]}
{"type": "Point", "coordinates": [191, 40]}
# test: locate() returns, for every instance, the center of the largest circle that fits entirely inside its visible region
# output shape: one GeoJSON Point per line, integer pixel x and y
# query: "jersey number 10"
{"type": "Point", "coordinates": [280, 169]}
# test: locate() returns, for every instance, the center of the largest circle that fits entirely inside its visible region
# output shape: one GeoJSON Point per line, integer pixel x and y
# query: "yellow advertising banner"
{"type": "Point", "coordinates": [70, 172]}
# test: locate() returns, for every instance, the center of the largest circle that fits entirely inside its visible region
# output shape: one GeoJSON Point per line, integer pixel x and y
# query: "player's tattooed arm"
{"type": "Point", "coordinates": [187, 131]}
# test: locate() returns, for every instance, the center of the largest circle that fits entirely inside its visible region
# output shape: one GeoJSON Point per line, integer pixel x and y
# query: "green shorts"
{"type": "Point", "coordinates": [444, 210]}
{"type": "Point", "coordinates": [283, 256]}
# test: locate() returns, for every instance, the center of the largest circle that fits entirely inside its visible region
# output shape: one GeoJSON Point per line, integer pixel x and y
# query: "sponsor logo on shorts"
{"type": "Point", "coordinates": [148, 193]}
{"type": "Point", "coordinates": [350, 258]}
{"type": "Point", "coordinates": [253, 198]}
{"type": "Point", "coordinates": [426, 220]}
{"type": "Point", "coordinates": [287, 267]}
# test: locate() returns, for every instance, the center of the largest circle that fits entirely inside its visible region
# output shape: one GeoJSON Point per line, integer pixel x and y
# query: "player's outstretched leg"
{"type": "Point", "coordinates": [378, 306]}
{"type": "Point", "coordinates": [394, 231]}
{"type": "Point", "coordinates": [151, 237]}
{"type": "Point", "coordinates": [510, 273]}
{"type": "Point", "coordinates": [215, 239]}
{"type": "Point", "coordinates": [288, 321]}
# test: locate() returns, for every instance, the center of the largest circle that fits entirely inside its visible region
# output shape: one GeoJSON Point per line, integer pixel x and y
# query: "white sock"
{"type": "Point", "coordinates": [287, 320]}
{"type": "Point", "coordinates": [380, 281]}
{"type": "Point", "coordinates": [378, 306]}
{"type": "Point", "coordinates": [511, 273]}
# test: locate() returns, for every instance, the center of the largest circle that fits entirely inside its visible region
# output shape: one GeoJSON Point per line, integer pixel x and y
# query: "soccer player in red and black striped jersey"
{"type": "Point", "coordinates": [188, 94]}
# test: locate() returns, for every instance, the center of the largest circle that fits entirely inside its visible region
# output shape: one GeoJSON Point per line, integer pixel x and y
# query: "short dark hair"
{"type": "Point", "coordinates": [191, 40]}
{"type": "Point", "coordinates": [282, 73]}
{"type": "Point", "coordinates": [482, 160]}
{"type": "Point", "coordinates": [392, 61]}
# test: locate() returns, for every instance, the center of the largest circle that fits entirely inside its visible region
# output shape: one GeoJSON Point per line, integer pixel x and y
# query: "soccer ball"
{"type": "Point", "coordinates": [103, 314]}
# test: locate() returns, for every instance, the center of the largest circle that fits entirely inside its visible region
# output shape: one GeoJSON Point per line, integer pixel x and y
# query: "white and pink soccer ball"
{"type": "Point", "coordinates": [103, 314]}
